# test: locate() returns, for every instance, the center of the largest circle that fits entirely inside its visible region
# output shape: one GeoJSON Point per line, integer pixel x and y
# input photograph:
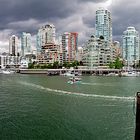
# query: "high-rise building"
{"type": "Point", "coordinates": [48, 49]}
{"type": "Point", "coordinates": [95, 53]}
{"type": "Point", "coordinates": [79, 53]}
{"type": "Point", "coordinates": [69, 46]}
{"type": "Point", "coordinates": [13, 45]}
{"type": "Point", "coordinates": [131, 46]}
{"type": "Point", "coordinates": [25, 44]}
{"type": "Point", "coordinates": [46, 34]}
{"type": "Point", "coordinates": [116, 50]}
{"type": "Point", "coordinates": [90, 53]}
{"type": "Point", "coordinates": [50, 53]}
{"type": "Point", "coordinates": [103, 25]}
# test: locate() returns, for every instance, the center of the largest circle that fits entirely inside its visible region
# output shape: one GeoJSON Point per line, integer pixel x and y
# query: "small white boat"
{"type": "Point", "coordinates": [74, 80]}
{"type": "Point", "coordinates": [130, 74]}
{"type": "Point", "coordinates": [78, 74]}
{"type": "Point", "coordinates": [112, 74]}
{"type": "Point", "coordinates": [68, 74]}
{"type": "Point", "coordinates": [71, 73]}
{"type": "Point", "coordinates": [7, 72]}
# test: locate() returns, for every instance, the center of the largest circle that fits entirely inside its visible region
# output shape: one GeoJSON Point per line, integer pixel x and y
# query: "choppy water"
{"type": "Point", "coordinates": [47, 108]}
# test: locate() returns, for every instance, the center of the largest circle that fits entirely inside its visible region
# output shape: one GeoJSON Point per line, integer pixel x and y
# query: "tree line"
{"type": "Point", "coordinates": [55, 65]}
{"type": "Point", "coordinates": [117, 64]}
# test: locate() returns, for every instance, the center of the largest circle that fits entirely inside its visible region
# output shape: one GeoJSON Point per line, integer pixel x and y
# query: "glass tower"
{"type": "Point", "coordinates": [25, 43]}
{"type": "Point", "coordinates": [103, 25]}
{"type": "Point", "coordinates": [131, 48]}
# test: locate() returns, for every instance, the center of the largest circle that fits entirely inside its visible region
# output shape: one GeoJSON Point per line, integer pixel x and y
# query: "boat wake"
{"type": "Point", "coordinates": [96, 84]}
{"type": "Point", "coordinates": [77, 93]}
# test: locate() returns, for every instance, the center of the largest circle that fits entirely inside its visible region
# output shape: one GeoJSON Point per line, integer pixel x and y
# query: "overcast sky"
{"type": "Point", "coordinates": [17, 16]}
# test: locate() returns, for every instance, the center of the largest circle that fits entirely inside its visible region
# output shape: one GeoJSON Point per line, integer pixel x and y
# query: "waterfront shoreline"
{"type": "Point", "coordinates": [61, 71]}
{"type": "Point", "coordinates": [93, 72]}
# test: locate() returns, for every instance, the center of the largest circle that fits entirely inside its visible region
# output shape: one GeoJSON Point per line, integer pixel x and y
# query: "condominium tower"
{"type": "Point", "coordinates": [95, 53]}
{"type": "Point", "coordinates": [13, 45]}
{"type": "Point", "coordinates": [131, 46]}
{"type": "Point", "coordinates": [25, 43]}
{"type": "Point", "coordinates": [103, 25]}
{"type": "Point", "coordinates": [69, 46]}
{"type": "Point", "coordinates": [46, 34]}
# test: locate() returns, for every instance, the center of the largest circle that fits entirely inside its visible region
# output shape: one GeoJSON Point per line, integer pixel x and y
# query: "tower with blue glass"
{"type": "Point", "coordinates": [103, 26]}
{"type": "Point", "coordinates": [131, 46]}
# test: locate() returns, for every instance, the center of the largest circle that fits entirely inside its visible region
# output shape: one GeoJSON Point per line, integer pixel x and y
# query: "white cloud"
{"type": "Point", "coordinates": [4, 46]}
{"type": "Point", "coordinates": [76, 17]}
{"type": "Point", "coordinates": [4, 40]}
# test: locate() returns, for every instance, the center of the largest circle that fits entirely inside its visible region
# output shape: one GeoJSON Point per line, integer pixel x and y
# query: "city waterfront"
{"type": "Point", "coordinates": [47, 107]}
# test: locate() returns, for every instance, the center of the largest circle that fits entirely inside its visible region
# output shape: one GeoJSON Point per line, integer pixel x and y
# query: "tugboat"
{"type": "Point", "coordinates": [74, 80]}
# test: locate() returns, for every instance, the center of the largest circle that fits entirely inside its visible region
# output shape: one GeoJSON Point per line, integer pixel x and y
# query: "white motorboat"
{"type": "Point", "coordinates": [72, 74]}
{"type": "Point", "coordinates": [68, 74]}
{"type": "Point", "coordinates": [7, 72]}
{"type": "Point", "coordinates": [112, 74]}
{"type": "Point", "coordinates": [130, 74]}
{"type": "Point", "coordinates": [74, 79]}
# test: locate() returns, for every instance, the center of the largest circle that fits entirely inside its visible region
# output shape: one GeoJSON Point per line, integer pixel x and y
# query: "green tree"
{"type": "Point", "coordinates": [111, 65]}
{"type": "Point", "coordinates": [30, 66]}
{"type": "Point", "coordinates": [49, 66]}
{"type": "Point", "coordinates": [43, 66]}
{"type": "Point", "coordinates": [56, 65]}
{"type": "Point", "coordinates": [66, 64]}
{"type": "Point", "coordinates": [118, 64]}
{"type": "Point", "coordinates": [60, 66]}
{"type": "Point", "coordinates": [37, 66]}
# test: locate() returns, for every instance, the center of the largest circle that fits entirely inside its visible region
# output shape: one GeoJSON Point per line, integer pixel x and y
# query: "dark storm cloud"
{"type": "Point", "coordinates": [125, 13]}
{"type": "Point", "coordinates": [15, 10]}
{"type": "Point", "coordinates": [19, 10]}
{"type": "Point", "coordinates": [94, 1]}
{"type": "Point", "coordinates": [17, 16]}
{"type": "Point", "coordinates": [88, 21]}
{"type": "Point", "coordinates": [41, 10]}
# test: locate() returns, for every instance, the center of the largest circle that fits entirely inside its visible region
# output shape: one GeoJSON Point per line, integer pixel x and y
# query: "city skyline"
{"type": "Point", "coordinates": [17, 17]}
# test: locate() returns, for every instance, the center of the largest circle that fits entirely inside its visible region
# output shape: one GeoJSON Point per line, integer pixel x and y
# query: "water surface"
{"type": "Point", "coordinates": [42, 107]}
